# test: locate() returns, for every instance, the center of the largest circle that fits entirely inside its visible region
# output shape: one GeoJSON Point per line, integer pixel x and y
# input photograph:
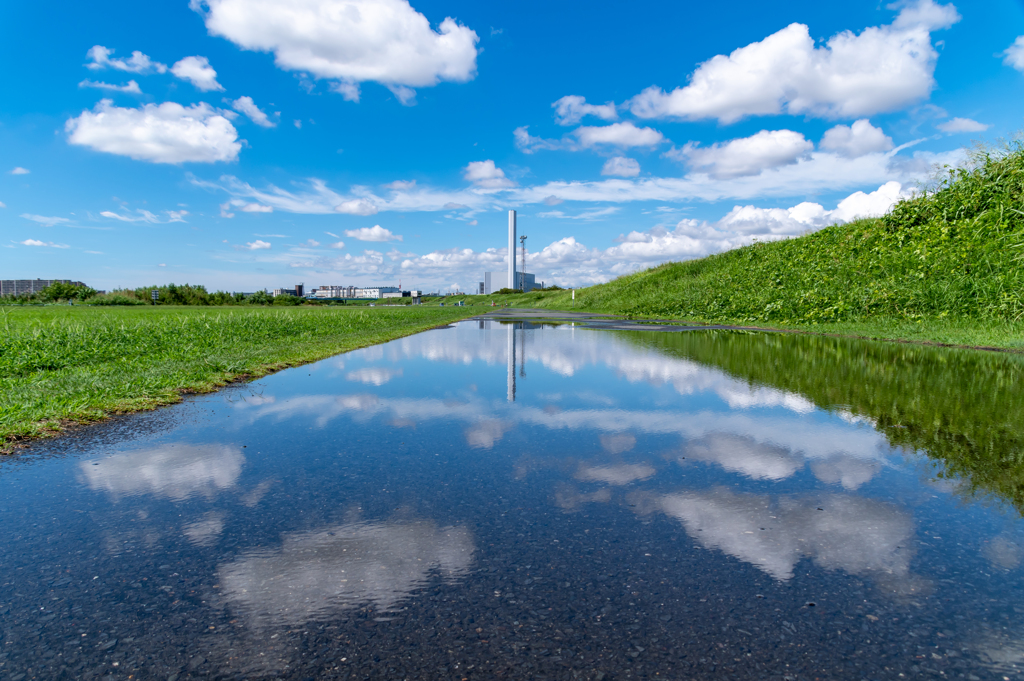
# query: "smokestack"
{"type": "Point", "coordinates": [512, 249]}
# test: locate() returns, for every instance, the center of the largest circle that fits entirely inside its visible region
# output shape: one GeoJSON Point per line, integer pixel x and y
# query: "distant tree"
{"type": "Point", "coordinates": [260, 298]}
{"type": "Point", "coordinates": [287, 300]}
{"type": "Point", "coordinates": [59, 290]}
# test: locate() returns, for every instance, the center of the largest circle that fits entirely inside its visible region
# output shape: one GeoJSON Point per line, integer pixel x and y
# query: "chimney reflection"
{"type": "Point", "coordinates": [511, 362]}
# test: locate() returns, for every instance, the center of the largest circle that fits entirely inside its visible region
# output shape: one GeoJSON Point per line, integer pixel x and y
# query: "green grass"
{"type": "Point", "coordinates": [947, 266]}
{"type": "Point", "coordinates": [75, 364]}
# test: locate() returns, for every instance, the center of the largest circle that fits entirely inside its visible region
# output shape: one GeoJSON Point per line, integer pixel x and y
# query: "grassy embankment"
{"type": "Point", "coordinates": [947, 266]}
{"type": "Point", "coordinates": [75, 364]}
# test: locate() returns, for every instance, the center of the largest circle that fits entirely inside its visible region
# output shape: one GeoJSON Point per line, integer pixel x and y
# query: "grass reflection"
{"type": "Point", "coordinates": [964, 409]}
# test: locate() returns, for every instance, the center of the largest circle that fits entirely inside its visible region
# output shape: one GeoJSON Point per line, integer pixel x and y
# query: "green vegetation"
{"type": "Point", "coordinates": [964, 408]}
{"type": "Point", "coordinates": [947, 265]}
{"type": "Point", "coordinates": [76, 364]}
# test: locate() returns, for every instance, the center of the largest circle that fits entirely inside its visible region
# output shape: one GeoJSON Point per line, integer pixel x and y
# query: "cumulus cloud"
{"type": "Point", "coordinates": [618, 135]}
{"type": "Point", "coordinates": [197, 70]}
{"type": "Point", "coordinates": [883, 68]}
{"type": "Point", "coordinates": [132, 87]}
{"type": "Point", "coordinates": [486, 175]}
{"type": "Point", "coordinates": [955, 125]}
{"type": "Point", "coordinates": [20, 171]}
{"type": "Point", "coordinates": [571, 109]}
{"type": "Point", "coordinates": [856, 140]}
{"type": "Point", "coordinates": [1014, 54]}
{"type": "Point", "coordinates": [138, 63]}
{"type": "Point", "coordinates": [257, 245]}
{"type": "Point", "coordinates": [164, 133]}
{"type": "Point", "coordinates": [249, 108]}
{"type": "Point", "coordinates": [36, 242]}
{"type": "Point", "coordinates": [747, 155]}
{"type": "Point", "coordinates": [349, 41]}
{"type": "Point", "coordinates": [621, 166]}
{"type": "Point", "coordinates": [375, 233]}
{"type": "Point", "coordinates": [44, 220]}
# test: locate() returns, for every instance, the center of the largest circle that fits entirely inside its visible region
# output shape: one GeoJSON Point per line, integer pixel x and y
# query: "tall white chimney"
{"type": "Point", "coordinates": [512, 249]}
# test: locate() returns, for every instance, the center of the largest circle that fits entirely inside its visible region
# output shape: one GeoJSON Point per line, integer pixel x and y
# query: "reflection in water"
{"type": "Point", "coordinates": [839, 532]}
{"type": "Point", "coordinates": [207, 531]}
{"type": "Point", "coordinates": [174, 472]}
{"type": "Point", "coordinates": [965, 409]}
{"type": "Point", "coordinates": [639, 495]}
{"type": "Point", "coordinates": [744, 454]}
{"type": "Point", "coordinates": [373, 375]}
{"type": "Point", "coordinates": [622, 474]}
{"type": "Point", "coordinates": [319, 573]}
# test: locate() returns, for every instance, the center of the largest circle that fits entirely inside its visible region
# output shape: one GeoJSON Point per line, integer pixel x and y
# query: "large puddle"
{"type": "Point", "coordinates": [493, 501]}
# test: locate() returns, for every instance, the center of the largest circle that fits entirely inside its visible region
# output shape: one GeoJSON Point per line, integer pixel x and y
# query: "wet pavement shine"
{"type": "Point", "coordinates": [509, 499]}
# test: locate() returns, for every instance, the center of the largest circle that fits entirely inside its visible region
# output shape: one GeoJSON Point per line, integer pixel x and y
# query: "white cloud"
{"type": "Point", "coordinates": [44, 220]}
{"type": "Point", "coordinates": [36, 242]}
{"type": "Point", "coordinates": [165, 133]}
{"type": "Point", "coordinates": [249, 108]}
{"type": "Point", "coordinates": [197, 70]}
{"type": "Point", "coordinates": [3, 205]}
{"type": "Point", "coordinates": [747, 155]}
{"type": "Point", "coordinates": [146, 216]}
{"type": "Point", "coordinates": [337, 244]}
{"type": "Point", "coordinates": [528, 144]}
{"type": "Point", "coordinates": [138, 63]}
{"type": "Point", "coordinates": [132, 87]}
{"type": "Point", "coordinates": [619, 135]}
{"type": "Point", "coordinates": [1014, 54]}
{"type": "Point", "coordinates": [349, 41]}
{"type": "Point", "coordinates": [571, 109]}
{"type": "Point", "coordinates": [884, 68]}
{"type": "Point", "coordinates": [257, 245]}
{"type": "Point", "coordinates": [256, 208]}
{"type": "Point", "coordinates": [955, 125]}
{"type": "Point", "coordinates": [20, 171]}
{"type": "Point", "coordinates": [356, 207]}
{"type": "Point", "coordinates": [485, 174]}
{"type": "Point", "coordinates": [621, 166]}
{"type": "Point", "coordinates": [856, 140]}
{"type": "Point", "coordinates": [375, 233]}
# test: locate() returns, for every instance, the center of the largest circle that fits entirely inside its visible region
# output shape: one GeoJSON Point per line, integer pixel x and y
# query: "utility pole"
{"type": "Point", "coordinates": [522, 279]}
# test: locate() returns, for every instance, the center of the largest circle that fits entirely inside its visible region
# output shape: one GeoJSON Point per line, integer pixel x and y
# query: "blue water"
{"type": "Point", "coordinates": [500, 501]}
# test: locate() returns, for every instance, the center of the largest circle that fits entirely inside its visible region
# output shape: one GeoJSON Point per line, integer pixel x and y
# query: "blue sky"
{"type": "Point", "coordinates": [245, 144]}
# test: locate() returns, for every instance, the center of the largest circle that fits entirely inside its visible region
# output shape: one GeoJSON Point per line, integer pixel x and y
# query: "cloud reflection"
{"type": "Point", "coordinates": [317, 574]}
{"type": "Point", "coordinates": [838, 532]}
{"type": "Point", "coordinates": [175, 472]}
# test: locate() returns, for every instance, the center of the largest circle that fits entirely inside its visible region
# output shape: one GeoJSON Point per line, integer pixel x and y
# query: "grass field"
{"type": "Point", "coordinates": [62, 364]}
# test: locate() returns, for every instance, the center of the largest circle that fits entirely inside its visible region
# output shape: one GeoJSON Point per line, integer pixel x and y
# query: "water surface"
{"type": "Point", "coordinates": [518, 501]}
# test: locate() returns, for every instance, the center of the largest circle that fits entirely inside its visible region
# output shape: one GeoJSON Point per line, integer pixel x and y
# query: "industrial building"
{"type": "Point", "coordinates": [24, 287]}
{"type": "Point", "coordinates": [352, 292]}
{"type": "Point", "coordinates": [513, 278]}
{"type": "Point", "coordinates": [297, 291]}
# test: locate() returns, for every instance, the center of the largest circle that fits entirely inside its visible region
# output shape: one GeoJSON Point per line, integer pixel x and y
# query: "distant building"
{"type": "Point", "coordinates": [336, 292]}
{"type": "Point", "coordinates": [297, 291]}
{"type": "Point", "coordinates": [24, 287]}
{"type": "Point", "coordinates": [495, 281]}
